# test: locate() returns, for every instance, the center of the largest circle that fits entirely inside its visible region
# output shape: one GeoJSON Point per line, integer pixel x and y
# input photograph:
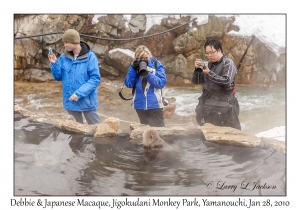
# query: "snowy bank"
{"type": "Point", "coordinates": [277, 133]}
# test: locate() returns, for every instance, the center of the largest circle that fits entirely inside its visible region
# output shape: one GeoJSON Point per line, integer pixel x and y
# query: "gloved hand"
{"type": "Point", "coordinates": [135, 64]}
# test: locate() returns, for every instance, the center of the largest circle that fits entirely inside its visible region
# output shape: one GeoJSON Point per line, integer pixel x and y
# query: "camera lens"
{"type": "Point", "coordinates": [201, 67]}
{"type": "Point", "coordinates": [143, 68]}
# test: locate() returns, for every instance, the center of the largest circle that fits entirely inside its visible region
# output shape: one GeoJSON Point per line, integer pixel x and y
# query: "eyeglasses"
{"type": "Point", "coordinates": [209, 53]}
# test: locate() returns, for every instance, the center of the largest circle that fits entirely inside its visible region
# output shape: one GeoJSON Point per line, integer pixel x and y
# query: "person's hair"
{"type": "Point", "coordinates": [141, 50]}
{"type": "Point", "coordinates": [213, 43]}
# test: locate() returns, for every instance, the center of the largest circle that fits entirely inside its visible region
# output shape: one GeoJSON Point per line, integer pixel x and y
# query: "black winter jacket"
{"type": "Point", "coordinates": [221, 77]}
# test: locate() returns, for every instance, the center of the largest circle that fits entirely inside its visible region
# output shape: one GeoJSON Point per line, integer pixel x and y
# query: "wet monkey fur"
{"type": "Point", "coordinates": [155, 148]}
{"type": "Point", "coordinates": [151, 139]}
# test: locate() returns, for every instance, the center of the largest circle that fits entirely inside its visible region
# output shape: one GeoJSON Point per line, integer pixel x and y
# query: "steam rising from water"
{"type": "Point", "coordinates": [261, 109]}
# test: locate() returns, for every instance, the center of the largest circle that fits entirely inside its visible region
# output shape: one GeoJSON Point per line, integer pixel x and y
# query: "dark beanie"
{"type": "Point", "coordinates": [71, 36]}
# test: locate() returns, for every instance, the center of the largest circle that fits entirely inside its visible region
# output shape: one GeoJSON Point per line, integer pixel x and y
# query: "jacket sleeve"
{"type": "Point", "coordinates": [228, 74]}
{"type": "Point", "coordinates": [94, 80]}
{"type": "Point", "coordinates": [56, 70]}
{"type": "Point", "coordinates": [158, 80]}
{"type": "Point", "coordinates": [130, 77]}
{"type": "Point", "coordinates": [197, 78]}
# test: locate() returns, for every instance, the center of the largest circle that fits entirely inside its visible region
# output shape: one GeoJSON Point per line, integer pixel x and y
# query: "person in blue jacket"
{"type": "Point", "coordinates": [148, 82]}
{"type": "Point", "coordinates": [78, 70]}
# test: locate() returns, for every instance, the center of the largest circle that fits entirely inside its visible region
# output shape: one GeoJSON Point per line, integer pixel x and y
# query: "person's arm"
{"type": "Point", "coordinates": [158, 80]}
{"type": "Point", "coordinates": [94, 80]}
{"type": "Point", "coordinates": [55, 66]}
{"type": "Point", "coordinates": [228, 74]}
{"type": "Point", "coordinates": [130, 77]}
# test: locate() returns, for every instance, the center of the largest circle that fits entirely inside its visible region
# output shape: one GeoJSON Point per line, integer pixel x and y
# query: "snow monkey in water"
{"type": "Point", "coordinates": [156, 148]}
{"type": "Point", "coordinates": [151, 139]}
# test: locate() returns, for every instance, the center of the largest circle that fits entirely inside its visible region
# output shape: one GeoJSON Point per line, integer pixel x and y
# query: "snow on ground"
{"type": "Point", "coordinates": [125, 51]}
{"type": "Point", "coordinates": [277, 133]}
{"type": "Point", "coordinates": [95, 18]}
{"type": "Point", "coordinates": [154, 20]}
{"type": "Point", "coordinates": [269, 29]}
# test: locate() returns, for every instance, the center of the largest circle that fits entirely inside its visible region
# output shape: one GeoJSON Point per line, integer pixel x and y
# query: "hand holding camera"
{"type": "Point", "coordinates": [201, 66]}
{"type": "Point", "coordinates": [52, 58]}
{"type": "Point", "coordinates": [135, 64]}
{"type": "Point", "coordinates": [140, 65]}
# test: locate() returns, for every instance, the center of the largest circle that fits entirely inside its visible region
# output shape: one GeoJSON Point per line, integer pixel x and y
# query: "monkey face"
{"type": "Point", "coordinates": [151, 139]}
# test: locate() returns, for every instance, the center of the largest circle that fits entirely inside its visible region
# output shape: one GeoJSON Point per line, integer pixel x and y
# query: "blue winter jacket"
{"type": "Point", "coordinates": [80, 77]}
{"type": "Point", "coordinates": [150, 97]}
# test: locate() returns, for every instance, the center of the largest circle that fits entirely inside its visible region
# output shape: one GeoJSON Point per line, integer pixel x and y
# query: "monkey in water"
{"type": "Point", "coordinates": [156, 148]}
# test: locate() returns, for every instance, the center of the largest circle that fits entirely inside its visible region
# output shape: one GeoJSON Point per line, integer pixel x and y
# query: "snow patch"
{"type": "Point", "coordinates": [125, 51]}
{"type": "Point", "coordinates": [269, 29]}
{"type": "Point", "coordinates": [154, 20]}
{"type": "Point", "coordinates": [95, 18]}
{"type": "Point", "coordinates": [277, 133]}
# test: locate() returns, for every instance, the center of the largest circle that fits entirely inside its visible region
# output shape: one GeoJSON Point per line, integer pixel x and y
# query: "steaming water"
{"type": "Point", "coordinates": [49, 161]}
{"type": "Point", "coordinates": [261, 108]}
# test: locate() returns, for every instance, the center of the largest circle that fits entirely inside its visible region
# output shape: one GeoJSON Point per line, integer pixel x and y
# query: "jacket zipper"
{"type": "Point", "coordinates": [146, 90]}
{"type": "Point", "coordinates": [90, 100]}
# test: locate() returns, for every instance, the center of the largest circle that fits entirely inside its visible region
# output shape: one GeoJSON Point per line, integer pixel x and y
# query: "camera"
{"type": "Point", "coordinates": [50, 50]}
{"type": "Point", "coordinates": [202, 66]}
{"type": "Point", "coordinates": [165, 101]}
{"type": "Point", "coordinates": [143, 63]}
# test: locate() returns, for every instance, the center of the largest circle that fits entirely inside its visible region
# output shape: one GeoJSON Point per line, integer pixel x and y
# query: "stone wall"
{"type": "Point", "coordinates": [176, 49]}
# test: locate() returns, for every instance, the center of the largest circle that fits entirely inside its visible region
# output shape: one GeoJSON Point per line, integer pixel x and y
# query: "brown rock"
{"type": "Point", "coordinates": [229, 136]}
{"type": "Point", "coordinates": [22, 110]}
{"type": "Point", "coordinates": [260, 66]}
{"type": "Point", "coordinates": [74, 126]}
{"type": "Point", "coordinates": [134, 126]}
{"type": "Point", "coordinates": [186, 130]}
{"type": "Point", "coordinates": [179, 81]}
{"type": "Point", "coordinates": [112, 122]}
{"type": "Point", "coordinates": [119, 60]}
{"type": "Point", "coordinates": [185, 43]}
{"type": "Point", "coordinates": [137, 131]}
{"type": "Point", "coordinates": [104, 130]}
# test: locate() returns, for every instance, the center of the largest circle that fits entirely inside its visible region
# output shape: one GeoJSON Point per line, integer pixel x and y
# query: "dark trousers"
{"type": "Point", "coordinates": [152, 117]}
{"type": "Point", "coordinates": [91, 117]}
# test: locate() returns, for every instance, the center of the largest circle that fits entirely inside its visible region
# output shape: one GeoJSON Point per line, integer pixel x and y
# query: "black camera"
{"type": "Point", "coordinates": [202, 66]}
{"type": "Point", "coordinates": [165, 101]}
{"type": "Point", "coordinates": [143, 63]}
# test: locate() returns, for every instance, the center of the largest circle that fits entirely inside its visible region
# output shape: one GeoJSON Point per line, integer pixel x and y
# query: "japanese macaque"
{"type": "Point", "coordinates": [151, 139]}
{"type": "Point", "coordinates": [155, 148]}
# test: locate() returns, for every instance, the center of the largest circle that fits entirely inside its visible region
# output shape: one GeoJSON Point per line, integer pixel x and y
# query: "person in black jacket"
{"type": "Point", "coordinates": [218, 81]}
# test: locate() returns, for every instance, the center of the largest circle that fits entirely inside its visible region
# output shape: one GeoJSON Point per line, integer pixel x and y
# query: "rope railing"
{"type": "Point", "coordinates": [109, 39]}
{"type": "Point", "coordinates": [189, 123]}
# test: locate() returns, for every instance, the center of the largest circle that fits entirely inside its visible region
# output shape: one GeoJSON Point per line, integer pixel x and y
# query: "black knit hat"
{"type": "Point", "coordinates": [71, 36]}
